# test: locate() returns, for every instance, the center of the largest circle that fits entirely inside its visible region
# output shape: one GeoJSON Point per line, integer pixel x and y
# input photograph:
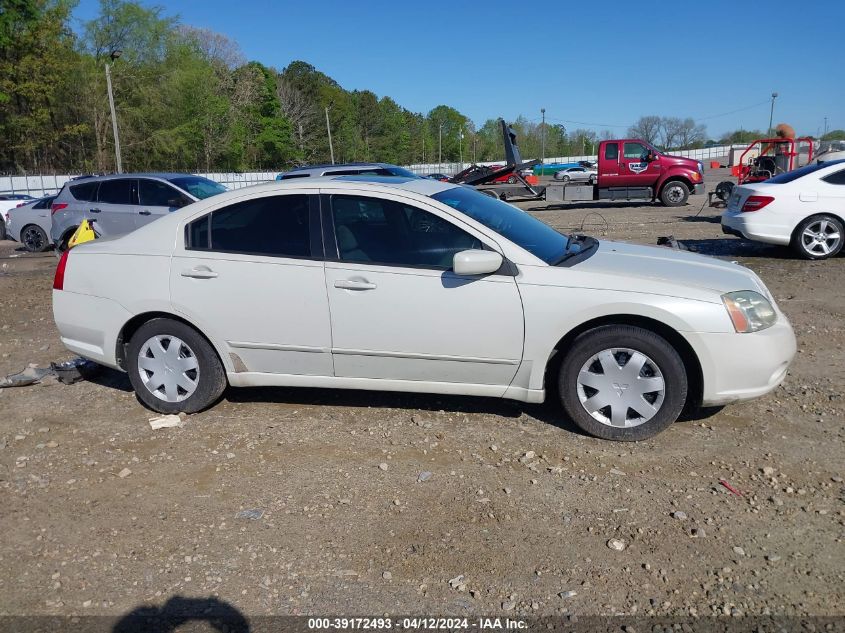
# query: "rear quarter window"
{"type": "Point", "coordinates": [86, 191]}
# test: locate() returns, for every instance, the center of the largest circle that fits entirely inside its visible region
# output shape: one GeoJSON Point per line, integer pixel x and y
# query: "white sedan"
{"type": "Point", "coordinates": [415, 285]}
{"type": "Point", "coordinates": [804, 209]}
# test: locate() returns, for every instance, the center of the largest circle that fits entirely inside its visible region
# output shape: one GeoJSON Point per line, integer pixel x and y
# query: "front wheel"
{"type": "Point", "coordinates": [624, 383]}
{"type": "Point", "coordinates": [511, 180]}
{"type": "Point", "coordinates": [818, 237]}
{"type": "Point", "coordinates": [173, 368]}
{"type": "Point", "coordinates": [674, 194]}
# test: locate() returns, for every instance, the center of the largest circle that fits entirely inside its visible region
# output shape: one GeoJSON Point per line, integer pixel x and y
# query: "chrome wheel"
{"type": "Point", "coordinates": [621, 387]}
{"type": "Point", "coordinates": [821, 238]}
{"type": "Point", "coordinates": [675, 194]}
{"type": "Point", "coordinates": [168, 368]}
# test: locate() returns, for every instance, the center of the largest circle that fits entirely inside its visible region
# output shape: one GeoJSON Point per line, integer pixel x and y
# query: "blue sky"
{"type": "Point", "coordinates": [589, 64]}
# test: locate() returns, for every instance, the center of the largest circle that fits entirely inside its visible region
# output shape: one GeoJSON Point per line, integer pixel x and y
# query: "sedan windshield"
{"type": "Point", "coordinates": [200, 188]}
{"type": "Point", "coordinates": [520, 228]}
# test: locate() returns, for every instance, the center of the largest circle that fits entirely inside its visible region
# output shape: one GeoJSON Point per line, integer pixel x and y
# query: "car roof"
{"type": "Point", "coordinates": [422, 186]}
{"type": "Point", "coordinates": [338, 166]}
{"type": "Point", "coordinates": [164, 175]}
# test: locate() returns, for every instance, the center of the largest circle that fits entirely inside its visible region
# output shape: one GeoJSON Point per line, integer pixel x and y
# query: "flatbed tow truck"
{"type": "Point", "coordinates": [628, 169]}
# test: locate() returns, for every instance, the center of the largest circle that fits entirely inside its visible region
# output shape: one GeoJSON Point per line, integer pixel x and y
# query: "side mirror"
{"type": "Point", "coordinates": [476, 262]}
{"type": "Point", "coordinates": [651, 157]}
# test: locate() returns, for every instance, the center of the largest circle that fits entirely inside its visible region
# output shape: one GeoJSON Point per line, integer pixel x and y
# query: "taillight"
{"type": "Point", "coordinates": [21, 204]}
{"type": "Point", "coordinates": [59, 278]}
{"type": "Point", "coordinates": [755, 203]}
{"type": "Point", "coordinates": [57, 206]}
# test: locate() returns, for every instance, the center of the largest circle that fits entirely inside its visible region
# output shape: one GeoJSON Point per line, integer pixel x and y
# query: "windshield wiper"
{"type": "Point", "coordinates": [566, 252]}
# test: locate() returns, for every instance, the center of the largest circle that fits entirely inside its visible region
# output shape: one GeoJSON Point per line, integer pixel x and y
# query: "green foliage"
{"type": "Point", "coordinates": [834, 135]}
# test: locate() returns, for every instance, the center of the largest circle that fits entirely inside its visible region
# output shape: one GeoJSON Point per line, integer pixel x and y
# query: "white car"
{"type": "Point", "coordinates": [415, 285]}
{"type": "Point", "coordinates": [803, 208]}
{"type": "Point", "coordinates": [10, 201]}
{"type": "Point", "coordinates": [30, 224]}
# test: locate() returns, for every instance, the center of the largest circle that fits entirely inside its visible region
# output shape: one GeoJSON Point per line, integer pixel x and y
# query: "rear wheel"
{"type": "Point", "coordinates": [565, 178]}
{"type": "Point", "coordinates": [674, 194]}
{"type": "Point", "coordinates": [818, 237]}
{"type": "Point", "coordinates": [2, 230]}
{"type": "Point", "coordinates": [34, 238]}
{"type": "Point", "coordinates": [173, 368]}
{"type": "Point", "coordinates": [620, 382]}
{"type": "Point", "coordinates": [511, 180]}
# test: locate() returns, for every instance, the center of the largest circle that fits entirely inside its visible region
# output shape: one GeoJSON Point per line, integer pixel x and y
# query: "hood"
{"type": "Point", "coordinates": [692, 163]}
{"type": "Point", "coordinates": [681, 268]}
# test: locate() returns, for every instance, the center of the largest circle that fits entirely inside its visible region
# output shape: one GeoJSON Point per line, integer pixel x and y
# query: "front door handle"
{"type": "Point", "coordinates": [352, 284]}
{"type": "Point", "coordinates": [94, 210]}
{"type": "Point", "coordinates": [144, 212]}
{"type": "Point", "coordinates": [199, 273]}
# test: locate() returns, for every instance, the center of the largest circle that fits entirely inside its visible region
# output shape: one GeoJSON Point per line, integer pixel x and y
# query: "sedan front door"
{"type": "Point", "coordinates": [399, 312]}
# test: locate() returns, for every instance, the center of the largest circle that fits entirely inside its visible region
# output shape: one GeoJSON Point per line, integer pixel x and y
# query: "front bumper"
{"type": "Point", "coordinates": [743, 366]}
{"type": "Point", "coordinates": [698, 190]}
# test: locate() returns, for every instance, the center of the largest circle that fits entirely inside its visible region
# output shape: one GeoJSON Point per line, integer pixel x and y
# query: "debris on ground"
{"type": "Point", "coordinates": [67, 372]}
{"type": "Point", "coordinates": [253, 514]}
{"type": "Point", "coordinates": [166, 422]}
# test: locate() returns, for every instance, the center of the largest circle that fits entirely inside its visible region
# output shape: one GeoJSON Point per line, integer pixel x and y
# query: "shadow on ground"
{"type": "Point", "coordinates": [194, 614]}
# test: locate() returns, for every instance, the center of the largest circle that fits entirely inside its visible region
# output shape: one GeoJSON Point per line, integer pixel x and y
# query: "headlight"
{"type": "Point", "coordinates": [749, 311]}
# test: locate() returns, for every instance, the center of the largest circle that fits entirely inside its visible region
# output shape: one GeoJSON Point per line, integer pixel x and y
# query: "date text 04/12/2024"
{"type": "Point", "coordinates": [416, 623]}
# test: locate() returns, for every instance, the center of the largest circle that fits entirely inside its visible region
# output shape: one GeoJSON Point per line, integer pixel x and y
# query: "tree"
{"type": "Point", "coordinates": [834, 135]}
{"type": "Point", "coordinates": [647, 128]}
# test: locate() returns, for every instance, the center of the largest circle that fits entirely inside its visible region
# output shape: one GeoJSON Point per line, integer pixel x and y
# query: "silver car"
{"type": "Point", "coordinates": [121, 203]}
{"type": "Point", "coordinates": [30, 224]}
{"type": "Point", "coordinates": [347, 169]}
{"type": "Point", "coordinates": [577, 174]}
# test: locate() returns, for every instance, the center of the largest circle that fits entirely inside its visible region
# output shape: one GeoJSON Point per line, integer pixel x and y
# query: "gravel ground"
{"type": "Point", "coordinates": [372, 503]}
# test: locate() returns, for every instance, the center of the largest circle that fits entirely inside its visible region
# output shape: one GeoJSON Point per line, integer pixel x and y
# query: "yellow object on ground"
{"type": "Point", "coordinates": [84, 233]}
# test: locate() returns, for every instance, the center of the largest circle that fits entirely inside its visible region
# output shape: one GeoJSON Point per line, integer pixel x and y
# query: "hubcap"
{"type": "Point", "coordinates": [821, 238]}
{"type": "Point", "coordinates": [33, 240]}
{"type": "Point", "coordinates": [675, 194]}
{"type": "Point", "coordinates": [621, 387]}
{"type": "Point", "coordinates": [168, 368]}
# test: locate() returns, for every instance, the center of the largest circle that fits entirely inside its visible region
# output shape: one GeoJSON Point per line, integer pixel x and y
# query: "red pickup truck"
{"type": "Point", "coordinates": [628, 169]}
{"type": "Point", "coordinates": [631, 169]}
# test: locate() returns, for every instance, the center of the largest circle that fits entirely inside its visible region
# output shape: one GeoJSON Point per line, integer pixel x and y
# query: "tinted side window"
{"type": "Point", "coordinates": [289, 176]}
{"type": "Point", "coordinates": [276, 226]}
{"type": "Point", "coordinates": [635, 150]}
{"type": "Point", "coordinates": [611, 151]}
{"type": "Point", "coordinates": [154, 193]}
{"type": "Point", "coordinates": [374, 171]}
{"type": "Point", "coordinates": [87, 191]}
{"type": "Point", "coordinates": [371, 230]}
{"type": "Point", "coordinates": [117, 191]}
{"type": "Point", "coordinates": [836, 178]}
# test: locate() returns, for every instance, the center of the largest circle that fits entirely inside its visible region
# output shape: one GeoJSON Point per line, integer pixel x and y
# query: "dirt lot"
{"type": "Point", "coordinates": [100, 514]}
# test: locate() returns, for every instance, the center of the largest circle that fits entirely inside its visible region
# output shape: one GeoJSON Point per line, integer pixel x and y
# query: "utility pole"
{"type": "Point", "coordinates": [772, 112]}
{"type": "Point", "coordinates": [440, 145]}
{"type": "Point", "coordinates": [825, 127]}
{"type": "Point", "coordinates": [329, 130]}
{"type": "Point", "coordinates": [117, 162]}
{"type": "Point", "coordinates": [461, 146]}
{"type": "Point", "coordinates": [543, 139]}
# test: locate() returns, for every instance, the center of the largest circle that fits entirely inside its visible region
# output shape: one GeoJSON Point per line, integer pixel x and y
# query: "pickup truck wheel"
{"type": "Point", "coordinates": [624, 383]}
{"type": "Point", "coordinates": [674, 194]}
{"type": "Point", "coordinates": [173, 368]}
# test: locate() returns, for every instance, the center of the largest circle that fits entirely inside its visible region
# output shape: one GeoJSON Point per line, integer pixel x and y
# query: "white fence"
{"type": "Point", "coordinates": [38, 185]}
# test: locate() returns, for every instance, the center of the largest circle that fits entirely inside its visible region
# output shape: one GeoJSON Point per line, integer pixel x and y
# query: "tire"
{"type": "Point", "coordinates": [565, 179]}
{"type": "Point", "coordinates": [592, 180]}
{"type": "Point", "coordinates": [511, 180]}
{"type": "Point", "coordinates": [2, 230]}
{"type": "Point", "coordinates": [674, 194]}
{"type": "Point", "coordinates": [807, 240]}
{"type": "Point", "coordinates": [201, 366]}
{"type": "Point", "coordinates": [34, 238]}
{"type": "Point", "coordinates": [621, 344]}
{"type": "Point", "coordinates": [62, 244]}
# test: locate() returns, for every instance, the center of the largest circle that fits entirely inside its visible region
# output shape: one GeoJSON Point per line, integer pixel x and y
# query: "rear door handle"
{"type": "Point", "coordinates": [199, 273]}
{"type": "Point", "coordinates": [144, 212]}
{"type": "Point", "coordinates": [94, 210]}
{"type": "Point", "coordinates": [351, 284]}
